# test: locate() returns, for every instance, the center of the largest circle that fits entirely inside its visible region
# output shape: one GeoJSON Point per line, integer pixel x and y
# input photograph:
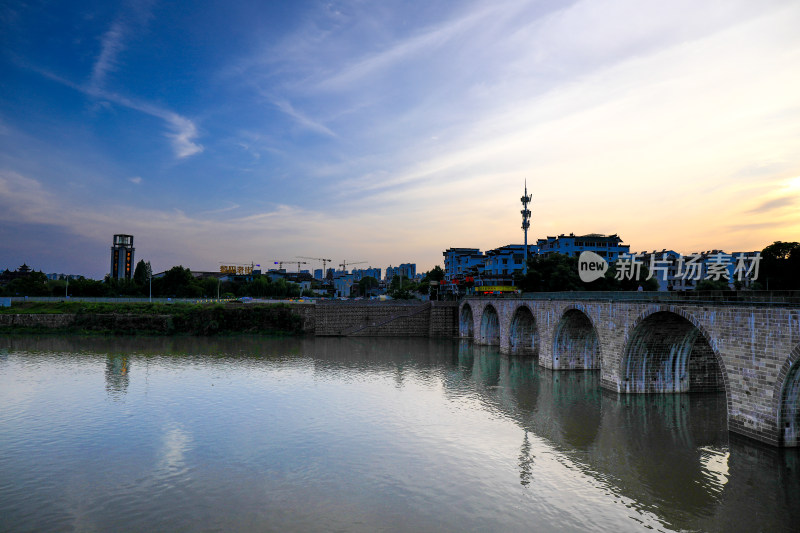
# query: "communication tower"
{"type": "Point", "coordinates": [526, 222]}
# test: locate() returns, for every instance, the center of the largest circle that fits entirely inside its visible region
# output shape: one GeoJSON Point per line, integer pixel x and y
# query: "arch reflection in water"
{"type": "Point", "coordinates": [667, 453]}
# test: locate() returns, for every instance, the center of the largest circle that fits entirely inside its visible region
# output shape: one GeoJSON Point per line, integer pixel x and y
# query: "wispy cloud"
{"type": "Point", "coordinates": [306, 122]}
{"type": "Point", "coordinates": [183, 132]}
{"type": "Point", "coordinates": [136, 179]}
{"type": "Point", "coordinates": [758, 225]}
{"type": "Point", "coordinates": [776, 203]}
{"type": "Point", "coordinates": [111, 45]}
{"type": "Point", "coordinates": [183, 135]}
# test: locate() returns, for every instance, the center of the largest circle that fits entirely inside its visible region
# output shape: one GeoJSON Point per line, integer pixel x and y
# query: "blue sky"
{"type": "Point", "coordinates": [386, 132]}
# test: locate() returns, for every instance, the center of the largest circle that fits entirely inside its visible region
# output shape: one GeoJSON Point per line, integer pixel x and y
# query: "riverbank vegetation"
{"type": "Point", "coordinates": [154, 318]}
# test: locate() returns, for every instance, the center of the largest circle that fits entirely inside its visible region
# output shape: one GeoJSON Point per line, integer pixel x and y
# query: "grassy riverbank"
{"type": "Point", "coordinates": [149, 318]}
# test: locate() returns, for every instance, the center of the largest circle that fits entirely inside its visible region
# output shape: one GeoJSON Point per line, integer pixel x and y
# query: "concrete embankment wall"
{"type": "Point", "coordinates": [386, 319]}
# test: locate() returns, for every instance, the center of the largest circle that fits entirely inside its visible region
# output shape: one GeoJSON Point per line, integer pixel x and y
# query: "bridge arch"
{"type": "Point", "coordinates": [666, 351]}
{"type": "Point", "coordinates": [490, 326]}
{"type": "Point", "coordinates": [466, 322]}
{"type": "Point", "coordinates": [522, 332]}
{"type": "Point", "coordinates": [576, 344]}
{"type": "Point", "coordinates": [787, 396]}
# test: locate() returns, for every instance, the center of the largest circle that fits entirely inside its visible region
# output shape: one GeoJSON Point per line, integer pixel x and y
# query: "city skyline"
{"type": "Point", "coordinates": [391, 132]}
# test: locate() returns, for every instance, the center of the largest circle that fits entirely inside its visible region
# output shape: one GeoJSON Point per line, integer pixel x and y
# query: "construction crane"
{"type": "Point", "coordinates": [324, 262]}
{"type": "Point", "coordinates": [344, 264]}
{"type": "Point", "coordinates": [280, 264]}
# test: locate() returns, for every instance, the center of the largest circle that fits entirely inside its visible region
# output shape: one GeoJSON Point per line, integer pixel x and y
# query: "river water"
{"type": "Point", "coordinates": [369, 434]}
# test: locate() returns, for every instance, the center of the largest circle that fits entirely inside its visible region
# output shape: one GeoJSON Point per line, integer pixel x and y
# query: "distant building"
{"type": "Point", "coordinates": [606, 246]}
{"type": "Point", "coordinates": [122, 257]}
{"type": "Point", "coordinates": [407, 270]}
{"type": "Point", "coordinates": [343, 284]}
{"type": "Point", "coordinates": [501, 263]}
{"type": "Point", "coordinates": [459, 261]}
{"type": "Point", "coordinates": [666, 270]}
{"type": "Point", "coordinates": [676, 272]}
{"type": "Point", "coordinates": [8, 276]}
{"type": "Point", "coordinates": [54, 276]}
{"type": "Point", "coordinates": [361, 273]}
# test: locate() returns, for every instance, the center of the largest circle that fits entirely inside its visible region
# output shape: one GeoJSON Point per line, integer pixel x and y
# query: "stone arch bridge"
{"type": "Point", "coordinates": [645, 343]}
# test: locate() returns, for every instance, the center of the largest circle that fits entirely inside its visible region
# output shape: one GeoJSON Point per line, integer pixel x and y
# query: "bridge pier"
{"type": "Point", "coordinates": [749, 351]}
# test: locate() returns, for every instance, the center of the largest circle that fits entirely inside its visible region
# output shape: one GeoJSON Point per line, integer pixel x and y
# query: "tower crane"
{"type": "Point", "coordinates": [280, 264]}
{"type": "Point", "coordinates": [324, 262]}
{"type": "Point", "coordinates": [344, 263]}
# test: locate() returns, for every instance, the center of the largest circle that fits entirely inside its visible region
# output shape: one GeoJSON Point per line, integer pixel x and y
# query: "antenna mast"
{"type": "Point", "coordinates": [526, 217]}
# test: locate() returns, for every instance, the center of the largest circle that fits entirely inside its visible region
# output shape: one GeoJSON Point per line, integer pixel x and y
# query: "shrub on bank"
{"type": "Point", "coordinates": [157, 318]}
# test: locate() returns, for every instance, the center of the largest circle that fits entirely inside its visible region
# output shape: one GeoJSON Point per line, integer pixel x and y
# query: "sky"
{"type": "Point", "coordinates": [388, 131]}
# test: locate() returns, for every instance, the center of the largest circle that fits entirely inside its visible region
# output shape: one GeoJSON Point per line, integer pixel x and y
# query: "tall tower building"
{"type": "Point", "coordinates": [122, 257]}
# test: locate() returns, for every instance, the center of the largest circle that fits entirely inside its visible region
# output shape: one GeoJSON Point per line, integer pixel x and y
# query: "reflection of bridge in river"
{"type": "Point", "coordinates": [750, 350]}
{"type": "Point", "coordinates": [659, 450]}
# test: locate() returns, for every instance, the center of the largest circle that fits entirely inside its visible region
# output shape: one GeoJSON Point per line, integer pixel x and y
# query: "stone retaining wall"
{"type": "Point", "coordinates": [386, 319]}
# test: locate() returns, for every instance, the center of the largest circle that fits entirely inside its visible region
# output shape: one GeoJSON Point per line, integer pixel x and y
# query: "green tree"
{"type": "Point", "coordinates": [260, 287]}
{"type": "Point", "coordinates": [142, 273]}
{"type": "Point", "coordinates": [435, 274]}
{"type": "Point", "coordinates": [178, 282]}
{"type": "Point", "coordinates": [210, 286]}
{"type": "Point", "coordinates": [551, 273]}
{"type": "Point", "coordinates": [87, 287]}
{"type": "Point", "coordinates": [402, 288]}
{"type": "Point", "coordinates": [32, 284]}
{"type": "Point", "coordinates": [713, 285]}
{"type": "Point", "coordinates": [559, 272]}
{"type": "Point", "coordinates": [366, 284]}
{"type": "Point", "coordinates": [780, 266]}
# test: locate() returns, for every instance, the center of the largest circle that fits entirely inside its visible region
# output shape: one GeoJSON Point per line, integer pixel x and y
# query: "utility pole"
{"type": "Point", "coordinates": [526, 217]}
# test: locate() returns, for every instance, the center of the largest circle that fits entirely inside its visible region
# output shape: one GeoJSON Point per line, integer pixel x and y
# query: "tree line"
{"type": "Point", "coordinates": [177, 282]}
